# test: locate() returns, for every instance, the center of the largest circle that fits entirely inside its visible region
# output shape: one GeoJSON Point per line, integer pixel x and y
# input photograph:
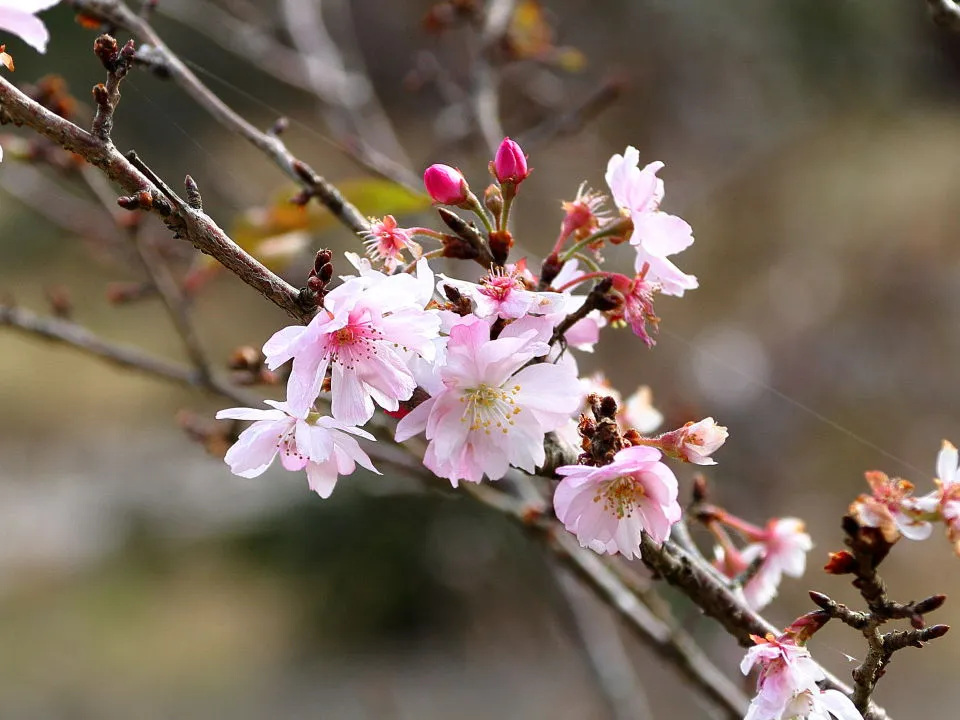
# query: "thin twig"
{"type": "Point", "coordinates": [588, 565]}
{"type": "Point", "coordinates": [76, 336]}
{"type": "Point", "coordinates": [185, 221]}
{"type": "Point", "coordinates": [116, 13]}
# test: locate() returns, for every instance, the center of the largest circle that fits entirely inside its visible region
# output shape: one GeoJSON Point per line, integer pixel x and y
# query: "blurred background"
{"type": "Point", "coordinates": [812, 144]}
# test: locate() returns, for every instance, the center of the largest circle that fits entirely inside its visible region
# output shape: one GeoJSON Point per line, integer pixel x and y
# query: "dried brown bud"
{"type": "Point", "coordinates": [107, 49]}
{"type": "Point", "coordinates": [840, 563]}
{"type": "Point", "coordinates": [194, 198]}
{"type": "Point", "coordinates": [500, 243]}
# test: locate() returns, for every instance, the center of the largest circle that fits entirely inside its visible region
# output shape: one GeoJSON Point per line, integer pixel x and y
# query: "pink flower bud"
{"type": "Point", "coordinates": [510, 164]}
{"type": "Point", "coordinates": [445, 185]}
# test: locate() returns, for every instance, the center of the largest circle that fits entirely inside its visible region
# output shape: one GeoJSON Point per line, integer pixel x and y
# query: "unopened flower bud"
{"type": "Point", "coordinates": [445, 185]}
{"type": "Point", "coordinates": [694, 442]}
{"type": "Point", "coordinates": [493, 199]}
{"type": "Point", "coordinates": [510, 164]}
{"type": "Point", "coordinates": [840, 563]}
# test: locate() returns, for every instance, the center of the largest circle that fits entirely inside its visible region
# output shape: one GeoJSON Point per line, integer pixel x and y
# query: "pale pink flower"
{"type": "Point", "coordinates": [656, 235]}
{"type": "Point", "coordinates": [637, 307]}
{"type": "Point", "coordinates": [386, 242]}
{"type": "Point", "coordinates": [782, 547]}
{"type": "Point", "coordinates": [948, 493]}
{"type": "Point", "coordinates": [19, 17]}
{"type": "Point", "coordinates": [893, 504]}
{"type": "Point", "coordinates": [695, 442]}
{"type": "Point", "coordinates": [360, 334]}
{"type": "Point", "coordinates": [607, 507]}
{"type": "Point", "coordinates": [816, 704]}
{"type": "Point", "coordinates": [503, 293]}
{"type": "Point", "coordinates": [492, 412]}
{"type": "Point", "coordinates": [639, 413]}
{"type": "Point", "coordinates": [582, 215]}
{"type": "Point", "coordinates": [305, 441]}
{"type": "Point", "coordinates": [786, 670]}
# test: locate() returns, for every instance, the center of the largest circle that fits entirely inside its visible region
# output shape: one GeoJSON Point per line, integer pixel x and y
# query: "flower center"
{"type": "Point", "coordinates": [354, 344]}
{"type": "Point", "coordinates": [490, 407]}
{"type": "Point", "coordinates": [620, 496]}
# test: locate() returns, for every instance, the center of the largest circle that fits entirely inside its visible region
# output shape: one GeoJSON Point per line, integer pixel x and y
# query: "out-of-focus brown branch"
{"type": "Point", "coordinates": [71, 334]}
{"type": "Point", "coordinates": [115, 13]}
{"type": "Point", "coordinates": [574, 119]}
{"type": "Point", "coordinates": [184, 220]}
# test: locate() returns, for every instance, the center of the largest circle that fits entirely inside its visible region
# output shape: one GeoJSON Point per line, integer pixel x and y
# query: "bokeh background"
{"type": "Point", "coordinates": [812, 144]}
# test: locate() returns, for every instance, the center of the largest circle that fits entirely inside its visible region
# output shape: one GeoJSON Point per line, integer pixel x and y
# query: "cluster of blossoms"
{"type": "Point", "coordinates": [486, 370]}
{"type": "Point", "coordinates": [787, 684]}
{"type": "Point", "coordinates": [893, 508]}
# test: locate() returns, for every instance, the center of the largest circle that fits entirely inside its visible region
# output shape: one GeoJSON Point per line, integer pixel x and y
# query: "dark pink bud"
{"type": "Point", "coordinates": [510, 165]}
{"type": "Point", "coordinates": [445, 185]}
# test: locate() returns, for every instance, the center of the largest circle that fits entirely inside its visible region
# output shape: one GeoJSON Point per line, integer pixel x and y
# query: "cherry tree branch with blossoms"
{"type": "Point", "coordinates": [478, 382]}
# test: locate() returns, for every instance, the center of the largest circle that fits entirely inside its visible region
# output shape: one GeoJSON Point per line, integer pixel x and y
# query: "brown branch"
{"type": "Point", "coordinates": [76, 336]}
{"type": "Point", "coordinates": [185, 221]}
{"type": "Point", "coordinates": [588, 565]}
{"type": "Point", "coordinates": [117, 14]}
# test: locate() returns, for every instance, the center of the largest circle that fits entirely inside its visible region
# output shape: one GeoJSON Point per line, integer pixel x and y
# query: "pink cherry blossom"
{"type": "Point", "coordinates": [582, 215]}
{"type": "Point", "coordinates": [504, 294]}
{"type": "Point", "coordinates": [386, 242]}
{"type": "Point", "coordinates": [510, 164]}
{"type": "Point", "coordinates": [492, 411]}
{"type": "Point", "coordinates": [948, 494]}
{"type": "Point", "coordinates": [782, 548]}
{"type": "Point", "coordinates": [892, 504]}
{"type": "Point", "coordinates": [786, 670]}
{"type": "Point", "coordinates": [360, 334]}
{"type": "Point", "coordinates": [656, 235]}
{"type": "Point", "coordinates": [637, 308]}
{"type": "Point", "coordinates": [304, 441]}
{"type": "Point", "coordinates": [445, 185]}
{"type": "Point", "coordinates": [19, 17]}
{"type": "Point", "coordinates": [639, 413]}
{"type": "Point", "coordinates": [607, 507]}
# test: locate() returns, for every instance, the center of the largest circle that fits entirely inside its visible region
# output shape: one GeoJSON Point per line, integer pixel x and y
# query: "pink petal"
{"type": "Point", "coordinates": [29, 28]}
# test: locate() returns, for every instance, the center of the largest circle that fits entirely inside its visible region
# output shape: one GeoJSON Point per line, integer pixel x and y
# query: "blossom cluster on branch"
{"type": "Point", "coordinates": [477, 376]}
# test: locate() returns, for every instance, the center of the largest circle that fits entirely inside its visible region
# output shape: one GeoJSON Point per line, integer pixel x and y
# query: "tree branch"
{"type": "Point", "coordinates": [184, 220]}
{"type": "Point", "coordinates": [119, 15]}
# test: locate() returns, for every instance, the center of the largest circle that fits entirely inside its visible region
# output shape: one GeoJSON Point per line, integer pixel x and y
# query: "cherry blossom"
{"type": "Point", "coordinates": [492, 412]}
{"type": "Point", "coordinates": [503, 293]}
{"type": "Point", "coordinates": [305, 441]}
{"type": "Point", "coordinates": [782, 548]}
{"type": "Point", "coordinates": [639, 413]}
{"type": "Point", "coordinates": [607, 507]}
{"type": "Point", "coordinates": [892, 505]}
{"type": "Point", "coordinates": [787, 686]}
{"type": "Point", "coordinates": [386, 242]}
{"type": "Point", "coordinates": [637, 307]}
{"type": "Point", "coordinates": [19, 17]}
{"type": "Point", "coordinates": [656, 235]}
{"type": "Point", "coordinates": [360, 334]}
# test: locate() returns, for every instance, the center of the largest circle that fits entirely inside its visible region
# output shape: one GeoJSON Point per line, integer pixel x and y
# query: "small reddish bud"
{"type": "Point", "coordinates": [840, 563]}
{"type": "Point", "coordinates": [500, 243]}
{"type": "Point", "coordinates": [510, 164]}
{"type": "Point", "coordinates": [445, 185]}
